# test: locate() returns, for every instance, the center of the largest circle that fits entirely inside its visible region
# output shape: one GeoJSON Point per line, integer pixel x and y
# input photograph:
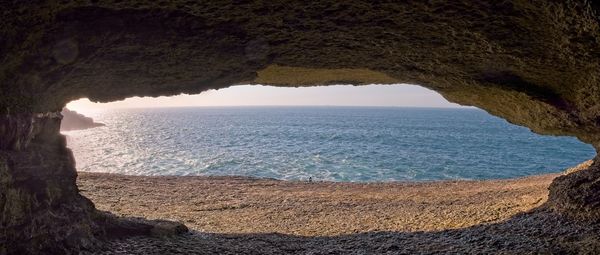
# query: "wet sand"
{"type": "Point", "coordinates": [232, 215]}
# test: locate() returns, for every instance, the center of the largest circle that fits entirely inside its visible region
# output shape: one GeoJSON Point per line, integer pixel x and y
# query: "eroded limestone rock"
{"type": "Point", "coordinates": [577, 194]}
{"type": "Point", "coordinates": [116, 227]}
{"type": "Point", "coordinates": [535, 63]}
{"type": "Point", "coordinates": [41, 209]}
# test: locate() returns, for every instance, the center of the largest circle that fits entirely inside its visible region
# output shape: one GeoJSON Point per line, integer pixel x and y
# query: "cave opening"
{"type": "Point", "coordinates": [323, 171]}
{"type": "Point", "coordinates": [341, 133]}
{"type": "Point", "coordinates": [534, 63]}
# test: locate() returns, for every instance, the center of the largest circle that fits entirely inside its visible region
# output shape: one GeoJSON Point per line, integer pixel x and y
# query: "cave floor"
{"type": "Point", "coordinates": [237, 215]}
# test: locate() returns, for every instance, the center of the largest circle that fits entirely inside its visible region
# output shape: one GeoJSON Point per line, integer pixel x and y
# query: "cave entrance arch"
{"type": "Point", "coordinates": [534, 63]}
{"type": "Point", "coordinates": [147, 207]}
{"type": "Point", "coordinates": [257, 140]}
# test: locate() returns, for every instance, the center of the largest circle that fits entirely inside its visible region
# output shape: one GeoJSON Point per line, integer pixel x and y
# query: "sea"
{"type": "Point", "coordinates": [350, 144]}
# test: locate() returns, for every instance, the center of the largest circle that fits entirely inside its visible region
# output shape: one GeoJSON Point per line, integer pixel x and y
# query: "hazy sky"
{"type": "Point", "coordinates": [247, 95]}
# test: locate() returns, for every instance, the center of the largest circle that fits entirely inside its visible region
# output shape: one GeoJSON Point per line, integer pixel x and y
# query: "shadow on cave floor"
{"type": "Point", "coordinates": [537, 231]}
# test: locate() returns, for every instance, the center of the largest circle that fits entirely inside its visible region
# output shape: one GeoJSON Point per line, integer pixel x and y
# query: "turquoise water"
{"type": "Point", "coordinates": [325, 143]}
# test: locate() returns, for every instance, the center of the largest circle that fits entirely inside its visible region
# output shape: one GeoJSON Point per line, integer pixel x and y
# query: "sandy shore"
{"type": "Point", "coordinates": [244, 215]}
{"type": "Point", "coordinates": [243, 205]}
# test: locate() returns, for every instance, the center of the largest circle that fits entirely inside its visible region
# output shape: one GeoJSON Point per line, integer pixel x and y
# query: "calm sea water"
{"type": "Point", "coordinates": [325, 143]}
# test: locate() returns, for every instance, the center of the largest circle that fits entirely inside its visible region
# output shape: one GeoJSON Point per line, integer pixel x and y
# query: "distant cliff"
{"type": "Point", "coordinates": [75, 121]}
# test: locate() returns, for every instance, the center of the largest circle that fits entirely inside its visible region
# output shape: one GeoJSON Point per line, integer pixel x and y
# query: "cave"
{"type": "Point", "coordinates": [533, 63]}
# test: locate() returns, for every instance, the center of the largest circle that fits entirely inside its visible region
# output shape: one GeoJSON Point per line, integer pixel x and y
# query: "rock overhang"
{"type": "Point", "coordinates": [535, 63]}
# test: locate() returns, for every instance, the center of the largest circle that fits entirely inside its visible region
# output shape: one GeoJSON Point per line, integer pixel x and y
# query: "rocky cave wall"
{"type": "Point", "coordinates": [40, 206]}
{"type": "Point", "coordinates": [535, 63]}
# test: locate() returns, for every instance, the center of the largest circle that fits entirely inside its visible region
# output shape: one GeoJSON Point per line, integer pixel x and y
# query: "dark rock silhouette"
{"type": "Point", "coordinates": [76, 121]}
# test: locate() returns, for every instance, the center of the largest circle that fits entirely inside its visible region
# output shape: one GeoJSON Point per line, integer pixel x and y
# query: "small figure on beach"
{"type": "Point", "coordinates": [310, 179]}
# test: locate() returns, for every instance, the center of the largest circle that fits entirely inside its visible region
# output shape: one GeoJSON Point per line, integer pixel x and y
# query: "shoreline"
{"type": "Point", "coordinates": [234, 204]}
{"type": "Point", "coordinates": [328, 181]}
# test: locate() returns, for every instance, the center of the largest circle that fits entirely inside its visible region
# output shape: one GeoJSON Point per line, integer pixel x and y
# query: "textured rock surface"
{"type": "Point", "coordinates": [41, 210]}
{"type": "Point", "coordinates": [130, 226]}
{"type": "Point", "coordinates": [74, 121]}
{"type": "Point", "coordinates": [535, 63]}
{"type": "Point", "coordinates": [40, 206]}
{"type": "Point", "coordinates": [577, 194]}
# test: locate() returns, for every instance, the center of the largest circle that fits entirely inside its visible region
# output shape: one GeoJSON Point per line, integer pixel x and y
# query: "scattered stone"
{"type": "Point", "coordinates": [297, 217]}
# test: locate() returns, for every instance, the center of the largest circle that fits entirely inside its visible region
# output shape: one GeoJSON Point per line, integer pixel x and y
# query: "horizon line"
{"type": "Point", "coordinates": [317, 105]}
